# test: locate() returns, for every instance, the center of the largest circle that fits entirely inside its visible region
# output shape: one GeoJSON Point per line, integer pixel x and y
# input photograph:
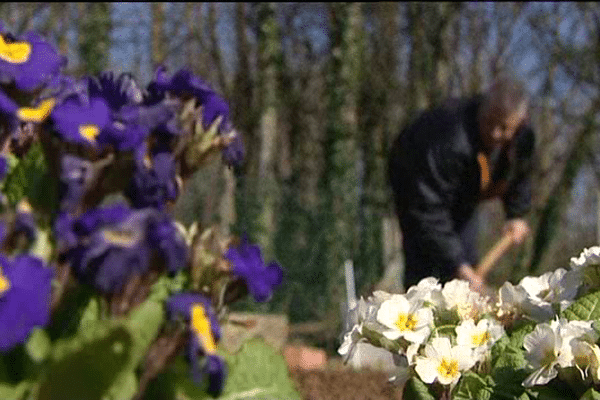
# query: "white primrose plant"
{"type": "Point", "coordinates": [535, 339]}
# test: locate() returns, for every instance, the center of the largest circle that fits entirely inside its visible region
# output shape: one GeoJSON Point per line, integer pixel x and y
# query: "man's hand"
{"type": "Point", "coordinates": [476, 282]}
{"type": "Point", "coordinates": [518, 228]}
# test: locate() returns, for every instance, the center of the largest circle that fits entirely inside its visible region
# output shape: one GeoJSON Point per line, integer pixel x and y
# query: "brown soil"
{"type": "Point", "coordinates": [344, 384]}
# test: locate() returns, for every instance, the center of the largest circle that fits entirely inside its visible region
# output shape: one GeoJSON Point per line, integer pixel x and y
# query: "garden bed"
{"type": "Point", "coordinates": [343, 383]}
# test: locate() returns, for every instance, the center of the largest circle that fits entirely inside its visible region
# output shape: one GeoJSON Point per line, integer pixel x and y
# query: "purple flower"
{"type": "Point", "coordinates": [164, 237]}
{"type": "Point", "coordinates": [183, 84]}
{"type": "Point", "coordinates": [111, 247]}
{"type": "Point", "coordinates": [64, 233]}
{"type": "Point", "coordinates": [75, 175]}
{"type": "Point", "coordinates": [81, 120]}
{"type": "Point", "coordinates": [28, 62]}
{"type": "Point", "coordinates": [131, 121]}
{"type": "Point", "coordinates": [3, 232]}
{"type": "Point", "coordinates": [25, 224]}
{"type": "Point", "coordinates": [153, 186]}
{"type": "Point", "coordinates": [24, 298]}
{"type": "Point", "coordinates": [102, 111]}
{"type": "Point", "coordinates": [117, 91]}
{"type": "Point", "coordinates": [107, 245]}
{"type": "Point", "coordinates": [8, 106]}
{"type": "Point", "coordinates": [197, 311]}
{"type": "Point", "coordinates": [3, 167]}
{"type": "Point", "coordinates": [247, 263]}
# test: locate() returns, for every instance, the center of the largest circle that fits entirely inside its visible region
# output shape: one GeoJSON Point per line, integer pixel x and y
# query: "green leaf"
{"type": "Point", "coordinates": [86, 367]}
{"type": "Point", "coordinates": [165, 286]}
{"type": "Point", "coordinates": [416, 389]}
{"type": "Point", "coordinates": [16, 392]}
{"type": "Point", "coordinates": [28, 177]}
{"type": "Point", "coordinates": [257, 371]}
{"type": "Point", "coordinates": [38, 345]}
{"type": "Point", "coordinates": [472, 386]}
{"type": "Point", "coordinates": [101, 359]}
{"type": "Point", "coordinates": [90, 315]}
{"type": "Point", "coordinates": [555, 390]}
{"type": "Point", "coordinates": [519, 333]}
{"type": "Point", "coordinates": [175, 383]}
{"type": "Point", "coordinates": [67, 317]}
{"type": "Point", "coordinates": [144, 323]}
{"type": "Point", "coordinates": [124, 387]}
{"type": "Point", "coordinates": [591, 394]}
{"type": "Point", "coordinates": [509, 364]}
{"type": "Point", "coordinates": [584, 309]}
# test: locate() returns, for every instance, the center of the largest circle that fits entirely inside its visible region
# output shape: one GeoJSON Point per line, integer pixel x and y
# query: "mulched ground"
{"type": "Point", "coordinates": [344, 384]}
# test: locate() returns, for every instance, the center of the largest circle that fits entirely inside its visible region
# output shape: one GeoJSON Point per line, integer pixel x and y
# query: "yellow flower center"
{"type": "Point", "coordinates": [466, 311]}
{"type": "Point", "coordinates": [479, 339]}
{"type": "Point", "coordinates": [119, 237]}
{"type": "Point", "coordinates": [37, 114]}
{"type": "Point", "coordinates": [549, 357]}
{"type": "Point", "coordinates": [89, 132]}
{"type": "Point", "coordinates": [406, 322]}
{"type": "Point", "coordinates": [201, 326]}
{"type": "Point", "coordinates": [544, 294]}
{"type": "Point", "coordinates": [448, 369]}
{"type": "Point", "coordinates": [4, 283]}
{"type": "Point", "coordinates": [15, 53]}
{"type": "Point", "coordinates": [582, 359]}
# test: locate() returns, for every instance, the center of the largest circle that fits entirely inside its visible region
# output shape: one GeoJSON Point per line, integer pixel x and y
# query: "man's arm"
{"type": "Point", "coordinates": [476, 282]}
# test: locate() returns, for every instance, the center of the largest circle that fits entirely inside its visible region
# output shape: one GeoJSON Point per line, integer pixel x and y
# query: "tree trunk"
{"type": "Point", "coordinates": [343, 155]}
{"type": "Point", "coordinates": [94, 26]}
{"type": "Point", "coordinates": [378, 125]}
{"type": "Point", "coordinates": [269, 61]}
{"type": "Point", "coordinates": [158, 34]}
{"type": "Point", "coordinates": [215, 52]}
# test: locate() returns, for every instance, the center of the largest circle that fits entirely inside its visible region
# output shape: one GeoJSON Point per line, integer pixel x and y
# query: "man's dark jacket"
{"type": "Point", "coordinates": [438, 181]}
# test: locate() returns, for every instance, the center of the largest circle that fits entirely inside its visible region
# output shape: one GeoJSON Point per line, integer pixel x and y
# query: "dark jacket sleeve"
{"type": "Point", "coordinates": [435, 187]}
{"type": "Point", "coordinates": [517, 200]}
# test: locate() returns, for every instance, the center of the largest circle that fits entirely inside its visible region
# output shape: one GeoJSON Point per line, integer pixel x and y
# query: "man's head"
{"type": "Point", "coordinates": [502, 110]}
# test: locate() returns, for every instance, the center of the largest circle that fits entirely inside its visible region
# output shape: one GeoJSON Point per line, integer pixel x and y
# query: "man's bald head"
{"type": "Point", "coordinates": [505, 96]}
{"type": "Point", "coordinates": [502, 111]}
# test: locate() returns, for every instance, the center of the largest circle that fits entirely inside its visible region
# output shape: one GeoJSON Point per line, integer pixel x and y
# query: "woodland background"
{"type": "Point", "coordinates": [319, 91]}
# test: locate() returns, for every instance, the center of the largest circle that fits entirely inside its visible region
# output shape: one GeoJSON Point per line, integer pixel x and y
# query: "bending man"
{"type": "Point", "coordinates": [447, 161]}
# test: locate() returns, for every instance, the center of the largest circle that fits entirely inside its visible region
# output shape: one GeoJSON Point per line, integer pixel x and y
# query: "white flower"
{"type": "Point", "coordinates": [558, 287]}
{"type": "Point", "coordinates": [510, 299]}
{"type": "Point", "coordinates": [468, 304]}
{"type": "Point", "coordinates": [442, 362]}
{"type": "Point", "coordinates": [479, 337]}
{"type": "Point", "coordinates": [581, 330]}
{"type": "Point", "coordinates": [351, 339]}
{"type": "Point", "coordinates": [545, 352]}
{"type": "Point", "coordinates": [379, 296]}
{"type": "Point", "coordinates": [586, 357]}
{"type": "Point", "coordinates": [589, 256]}
{"type": "Point", "coordinates": [404, 318]}
{"type": "Point", "coordinates": [429, 290]}
{"type": "Point", "coordinates": [588, 266]}
{"type": "Point", "coordinates": [402, 372]}
{"type": "Point", "coordinates": [363, 312]}
{"type": "Point", "coordinates": [411, 352]}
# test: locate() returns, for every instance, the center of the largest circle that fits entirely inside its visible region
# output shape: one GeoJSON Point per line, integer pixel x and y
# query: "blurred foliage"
{"type": "Point", "coordinates": [399, 63]}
